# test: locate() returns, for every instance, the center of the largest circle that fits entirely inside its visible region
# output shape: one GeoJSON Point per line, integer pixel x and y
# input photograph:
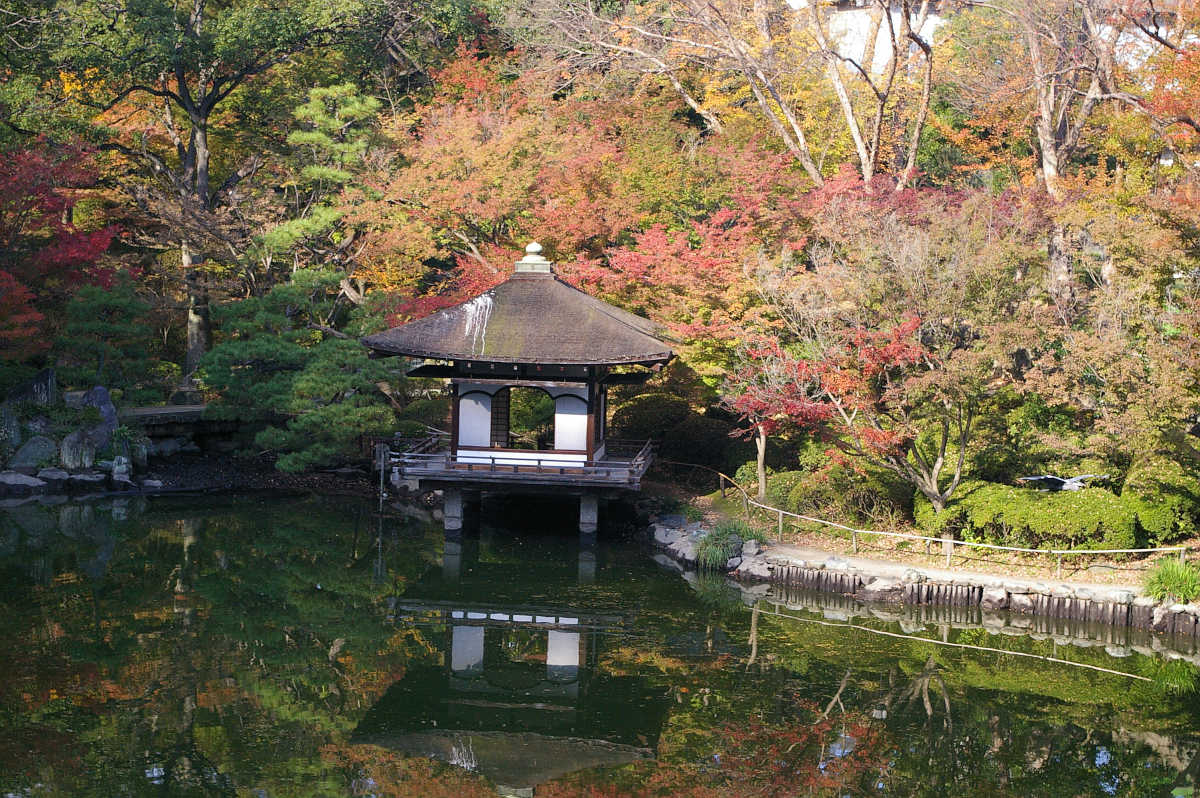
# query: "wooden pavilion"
{"type": "Point", "coordinates": [531, 331]}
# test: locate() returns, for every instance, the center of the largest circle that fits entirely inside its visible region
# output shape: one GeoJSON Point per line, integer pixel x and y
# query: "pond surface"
{"type": "Point", "coordinates": [307, 646]}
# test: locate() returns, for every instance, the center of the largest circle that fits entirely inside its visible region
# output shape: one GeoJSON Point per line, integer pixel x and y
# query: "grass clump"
{"type": "Point", "coordinates": [713, 551]}
{"type": "Point", "coordinates": [741, 529]}
{"type": "Point", "coordinates": [1173, 580]}
{"type": "Point", "coordinates": [725, 541]}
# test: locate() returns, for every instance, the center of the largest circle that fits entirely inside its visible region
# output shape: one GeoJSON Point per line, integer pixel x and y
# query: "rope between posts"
{"type": "Point", "coordinates": [967, 646]}
{"type": "Point", "coordinates": [948, 544]}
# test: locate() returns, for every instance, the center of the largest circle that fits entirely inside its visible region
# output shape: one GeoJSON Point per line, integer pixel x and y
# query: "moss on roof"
{"type": "Point", "coordinates": [529, 318]}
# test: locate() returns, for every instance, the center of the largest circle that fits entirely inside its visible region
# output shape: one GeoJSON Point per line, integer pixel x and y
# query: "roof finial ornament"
{"type": "Point", "coordinates": [533, 262]}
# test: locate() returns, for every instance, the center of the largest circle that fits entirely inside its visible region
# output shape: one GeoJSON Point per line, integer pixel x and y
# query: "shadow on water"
{"type": "Point", "coordinates": [276, 647]}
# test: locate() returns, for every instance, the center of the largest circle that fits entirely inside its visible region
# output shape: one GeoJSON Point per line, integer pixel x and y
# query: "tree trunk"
{"type": "Point", "coordinates": [199, 327]}
{"type": "Point", "coordinates": [1059, 282]}
{"type": "Point", "coordinates": [202, 163]}
{"type": "Point", "coordinates": [760, 443]}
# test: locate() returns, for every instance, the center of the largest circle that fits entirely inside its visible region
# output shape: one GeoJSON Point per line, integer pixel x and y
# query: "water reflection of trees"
{"type": "Point", "coordinates": [210, 652]}
{"type": "Point", "coordinates": [199, 650]}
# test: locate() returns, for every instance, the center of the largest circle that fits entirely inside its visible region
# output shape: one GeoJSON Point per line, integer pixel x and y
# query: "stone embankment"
{"type": "Point", "coordinates": [1117, 641]}
{"type": "Point", "coordinates": [876, 581]}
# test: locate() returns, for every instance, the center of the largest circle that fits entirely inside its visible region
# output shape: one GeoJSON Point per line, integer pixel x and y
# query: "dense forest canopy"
{"type": "Point", "coordinates": [919, 247]}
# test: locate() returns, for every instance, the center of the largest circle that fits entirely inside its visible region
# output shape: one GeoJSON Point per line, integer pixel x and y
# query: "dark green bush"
{"type": "Point", "coordinates": [986, 512]}
{"type": "Point", "coordinates": [780, 485]}
{"type": "Point", "coordinates": [697, 439]}
{"type": "Point", "coordinates": [842, 494]}
{"type": "Point", "coordinates": [747, 474]}
{"type": "Point", "coordinates": [650, 415]}
{"type": "Point", "coordinates": [434, 412]}
{"type": "Point", "coordinates": [407, 428]}
{"type": "Point", "coordinates": [1166, 498]}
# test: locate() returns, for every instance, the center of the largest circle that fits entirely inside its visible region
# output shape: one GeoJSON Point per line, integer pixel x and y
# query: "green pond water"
{"type": "Point", "coordinates": [257, 646]}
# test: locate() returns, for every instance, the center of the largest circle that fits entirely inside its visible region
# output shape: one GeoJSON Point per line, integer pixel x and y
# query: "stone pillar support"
{"type": "Point", "coordinates": [589, 513]}
{"type": "Point", "coordinates": [452, 509]}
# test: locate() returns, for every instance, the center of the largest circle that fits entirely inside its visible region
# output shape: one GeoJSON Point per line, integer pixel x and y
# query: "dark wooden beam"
{"type": "Point", "coordinates": [591, 420]}
{"type": "Point", "coordinates": [453, 418]}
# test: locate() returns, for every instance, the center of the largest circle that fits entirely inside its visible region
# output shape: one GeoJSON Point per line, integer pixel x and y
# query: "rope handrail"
{"type": "Point", "coordinates": [948, 544]}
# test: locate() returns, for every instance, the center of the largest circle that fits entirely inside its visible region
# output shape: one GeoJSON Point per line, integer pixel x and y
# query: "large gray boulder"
{"type": "Point", "coordinates": [881, 589]}
{"type": "Point", "coordinates": [77, 451]}
{"type": "Point", "coordinates": [13, 483]}
{"type": "Point", "coordinates": [55, 479]}
{"type": "Point", "coordinates": [994, 598]}
{"type": "Point", "coordinates": [92, 482]}
{"type": "Point", "coordinates": [35, 453]}
{"type": "Point", "coordinates": [122, 473]}
{"type": "Point", "coordinates": [98, 398]}
{"type": "Point", "coordinates": [1021, 602]}
{"type": "Point", "coordinates": [754, 569]}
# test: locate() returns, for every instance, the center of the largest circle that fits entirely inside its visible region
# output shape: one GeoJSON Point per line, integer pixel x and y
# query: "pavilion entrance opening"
{"type": "Point", "coordinates": [522, 418]}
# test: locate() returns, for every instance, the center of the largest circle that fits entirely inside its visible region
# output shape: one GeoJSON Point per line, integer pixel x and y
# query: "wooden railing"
{"type": "Point", "coordinates": [426, 460]}
{"type": "Point", "coordinates": [725, 481]}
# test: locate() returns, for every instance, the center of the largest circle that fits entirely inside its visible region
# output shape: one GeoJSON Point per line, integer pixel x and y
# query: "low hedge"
{"type": "Point", "coordinates": [842, 494]}
{"type": "Point", "coordinates": [780, 486]}
{"type": "Point", "coordinates": [1166, 498]}
{"type": "Point", "coordinates": [1004, 515]}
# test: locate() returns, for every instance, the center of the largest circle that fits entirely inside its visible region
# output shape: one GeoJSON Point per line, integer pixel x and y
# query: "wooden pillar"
{"type": "Point", "coordinates": [454, 398]}
{"type": "Point", "coordinates": [591, 414]}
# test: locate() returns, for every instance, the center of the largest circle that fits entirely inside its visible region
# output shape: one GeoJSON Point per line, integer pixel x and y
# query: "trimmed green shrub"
{"type": "Point", "coordinates": [839, 493]}
{"type": "Point", "coordinates": [1166, 498]}
{"type": "Point", "coordinates": [986, 512]}
{"type": "Point", "coordinates": [812, 455]}
{"type": "Point", "coordinates": [1173, 580]}
{"type": "Point", "coordinates": [650, 415]}
{"type": "Point", "coordinates": [697, 439]}
{"type": "Point", "coordinates": [746, 474]}
{"type": "Point", "coordinates": [780, 485]}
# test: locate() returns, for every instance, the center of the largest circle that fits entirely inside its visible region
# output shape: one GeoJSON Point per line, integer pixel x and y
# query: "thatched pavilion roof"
{"type": "Point", "coordinates": [533, 317]}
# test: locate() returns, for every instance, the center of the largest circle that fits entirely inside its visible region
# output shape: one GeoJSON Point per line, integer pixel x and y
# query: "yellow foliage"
{"type": "Point", "coordinates": [74, 85]}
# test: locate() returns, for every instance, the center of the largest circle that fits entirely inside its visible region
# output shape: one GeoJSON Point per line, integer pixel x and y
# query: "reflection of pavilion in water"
{"type": "Point", "coordinates": [519, 697]}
